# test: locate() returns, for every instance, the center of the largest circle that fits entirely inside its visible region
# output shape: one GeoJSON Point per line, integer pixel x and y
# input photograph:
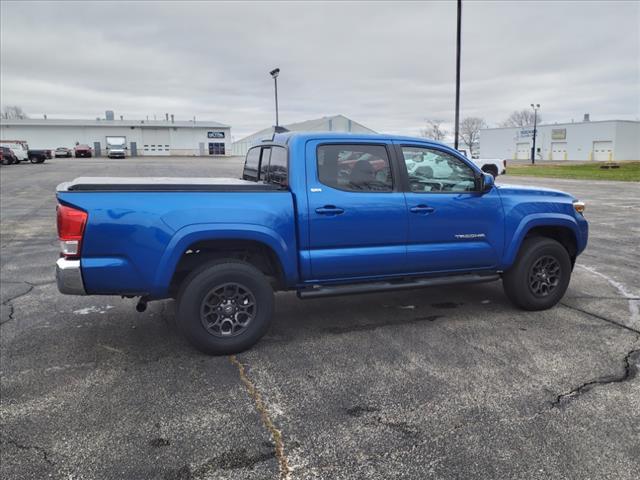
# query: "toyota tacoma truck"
{"type": "Point", "coordinates": [317, 213]}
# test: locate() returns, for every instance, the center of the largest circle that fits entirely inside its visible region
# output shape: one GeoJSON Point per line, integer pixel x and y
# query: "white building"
{"type": "Point", "coordinates": [598, 140]}
{"type": "Point", "coordinates": [335, 123]}
{"type": "Point", "coordinates": [142, 137]}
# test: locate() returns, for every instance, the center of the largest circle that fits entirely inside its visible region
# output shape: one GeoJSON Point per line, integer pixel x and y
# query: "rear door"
{"type": "Point", "coordinates": [452, 225]}
{"type": "Point", "coordinates": [356, 211]}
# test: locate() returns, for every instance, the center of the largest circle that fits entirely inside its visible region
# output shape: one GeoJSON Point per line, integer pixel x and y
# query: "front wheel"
{"type": "Point", "coordinates": [225, 307]}
{"type": "Point", "coordinates": [540, 275]}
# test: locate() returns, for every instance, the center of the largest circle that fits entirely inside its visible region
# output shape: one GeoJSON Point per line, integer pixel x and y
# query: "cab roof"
{"type": "Point", "coordinates": [287, 137]}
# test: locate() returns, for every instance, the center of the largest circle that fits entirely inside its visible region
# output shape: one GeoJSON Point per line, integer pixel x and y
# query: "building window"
{"type": "Point", "coordinates": [216, 148]}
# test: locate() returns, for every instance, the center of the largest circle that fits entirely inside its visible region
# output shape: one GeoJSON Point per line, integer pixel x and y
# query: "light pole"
{"type": "Point", "coordinates": [274, 73]}
{"type": "Point", "coordinates": [458, 41]}
{"type": "Point", "coordinates": [535, 131]}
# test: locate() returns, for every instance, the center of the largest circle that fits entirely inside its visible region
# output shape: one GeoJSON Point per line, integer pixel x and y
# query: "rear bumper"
{"type": "Point", "coordinates": [69, 277]}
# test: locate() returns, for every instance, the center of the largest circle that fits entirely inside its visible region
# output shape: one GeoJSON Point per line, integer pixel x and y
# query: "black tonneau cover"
{"type": "Point", "coordinates": [164, 184]}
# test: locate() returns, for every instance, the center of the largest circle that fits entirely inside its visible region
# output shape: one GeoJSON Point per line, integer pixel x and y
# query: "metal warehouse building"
{"type": "Point", "coordinates": [598, 140]}
{"type": "Point", "coordinates": [142, 137]}
{"type": "Point", "coordinates": [335, 123]}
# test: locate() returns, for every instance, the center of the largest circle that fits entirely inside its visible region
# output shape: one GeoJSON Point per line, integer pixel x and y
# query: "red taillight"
{"type": "Point", "coordinates": [71, 223]}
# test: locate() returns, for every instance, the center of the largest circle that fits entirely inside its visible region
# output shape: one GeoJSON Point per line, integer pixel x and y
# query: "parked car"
{"type": "Point", "coordinates": [63, 152]}
{"type": "Point", "coordinates": [221, 247]}
{"type": "Point", "coordinates": [82, 151]}
{"type": "Point", "coordinates": [39, 156]}
{"type": "Point", "coordinates": [116, 147]}
{"type": "Point", "coordinates": [7, 157]}
{"type": "Point", "coordinates": [18, 147]}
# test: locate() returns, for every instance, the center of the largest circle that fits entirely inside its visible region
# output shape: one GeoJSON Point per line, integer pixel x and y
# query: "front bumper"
{"type": "Point", "coordinates": [69, 277]}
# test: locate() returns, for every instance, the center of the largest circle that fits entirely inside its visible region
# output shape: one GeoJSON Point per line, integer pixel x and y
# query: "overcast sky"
{"type": "Point", "coordinates": [389, 66]}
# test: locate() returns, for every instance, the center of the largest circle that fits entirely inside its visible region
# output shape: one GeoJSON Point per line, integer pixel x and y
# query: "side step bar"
{"type": "Point", "coordinates": [373, 287]}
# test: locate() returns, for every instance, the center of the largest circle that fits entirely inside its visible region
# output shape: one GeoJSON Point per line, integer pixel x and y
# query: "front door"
{"type": "Point", "coordinates": [356, 212]}
{"type": "Point", "coordinates": [452, 226]}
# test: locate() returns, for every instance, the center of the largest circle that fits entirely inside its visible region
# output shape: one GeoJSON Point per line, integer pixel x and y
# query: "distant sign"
{"type": "Point", "coordinates": [215, 134]}
{"type": "Point", "coordinates": [559, 134]}
{"type": "Point", "coordinates": [526, 132]}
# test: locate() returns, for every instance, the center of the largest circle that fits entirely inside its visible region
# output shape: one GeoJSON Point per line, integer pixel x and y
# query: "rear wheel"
{"type": "Point", "coordinates": [225, 307]}
{"type": "Point", "coordinates": [540, 275]}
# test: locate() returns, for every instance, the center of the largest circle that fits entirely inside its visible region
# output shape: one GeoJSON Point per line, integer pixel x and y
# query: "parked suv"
{"type": "Point", "coordinates": [82, 151]}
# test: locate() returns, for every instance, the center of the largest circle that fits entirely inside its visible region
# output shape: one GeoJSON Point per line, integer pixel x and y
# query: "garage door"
{"type": "Point", "coordinates": [523, 151]}
{"type": "Point", "coordinates": [558, 150]}
{"type": "Point", "coordinates": [603, 151]}
{"type": "Point", "coordinates": [155, 141]}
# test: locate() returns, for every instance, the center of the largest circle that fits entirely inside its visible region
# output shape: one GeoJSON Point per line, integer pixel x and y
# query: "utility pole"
{"type": "Point", "coordinates": [458, 41]}
{"type": "Point", "coordinates": [535, 131]}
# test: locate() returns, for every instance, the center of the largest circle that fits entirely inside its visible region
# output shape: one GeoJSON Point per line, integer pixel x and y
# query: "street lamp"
{"type": "Point", "coordinates": [274, 73]}
{"type": "Point", "coordinates": [535, 131]}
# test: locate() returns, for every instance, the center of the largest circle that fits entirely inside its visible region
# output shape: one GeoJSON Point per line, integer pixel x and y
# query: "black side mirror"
{"type": "Point", "coordinates": [486, 182]}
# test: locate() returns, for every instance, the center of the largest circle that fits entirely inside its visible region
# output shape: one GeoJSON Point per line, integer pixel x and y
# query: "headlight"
{"type": "Point", "coordinates": [579, 206]}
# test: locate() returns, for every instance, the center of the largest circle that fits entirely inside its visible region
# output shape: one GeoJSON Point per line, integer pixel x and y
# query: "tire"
{"type": "Point", "coordinates": [34, 160]}
{"type": "Point", "coordinates": [205, 298]}
{"type": "Point", "coordinates": [541, 261]}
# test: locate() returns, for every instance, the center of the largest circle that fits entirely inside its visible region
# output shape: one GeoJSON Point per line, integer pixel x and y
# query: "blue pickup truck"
{"type": "Point", "coordinates": [319, 213]}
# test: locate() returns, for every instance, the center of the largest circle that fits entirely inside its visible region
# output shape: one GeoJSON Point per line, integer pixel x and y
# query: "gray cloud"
{"type": "Point", "coordinates": [387, 65]}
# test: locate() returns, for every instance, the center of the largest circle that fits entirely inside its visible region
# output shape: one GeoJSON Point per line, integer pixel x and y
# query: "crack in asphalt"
{"type": "Point", "coordinates": [22, 446]}
{"type": "Point", "coordinates": [8, 301]}
{"type": "Point", "coordinates": [631, 361]}
{"type": "Point", "coordinates": [276, 435]}
{"type": "Point", "coordinates": [600, 317]}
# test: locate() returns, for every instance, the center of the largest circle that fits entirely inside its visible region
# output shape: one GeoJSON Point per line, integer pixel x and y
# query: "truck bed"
{"type": "Point", "coordinates": [164, 184]}
{"type": "Point", "coordinates": [138, 228]}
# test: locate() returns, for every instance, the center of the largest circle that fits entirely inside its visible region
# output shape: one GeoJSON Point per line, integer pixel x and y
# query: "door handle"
{"type": "Point", "coordinates": [422, 209]}
{"type": "Point", "coordinates": [329, 210]}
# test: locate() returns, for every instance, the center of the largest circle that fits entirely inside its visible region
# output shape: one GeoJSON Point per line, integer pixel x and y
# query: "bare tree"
{"type": "Point", "coordinates": [435, 131]}
{"type": "Point", "coordinates": [470, 130]}
{"type": "Point", "coordinates": [11, 112]}
{"type": "Point", "coordinates": [520, 118]}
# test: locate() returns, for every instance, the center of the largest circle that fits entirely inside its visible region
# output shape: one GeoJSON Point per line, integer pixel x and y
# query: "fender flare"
{"type": "Point", "coordinates": [191, 234]}
{"type": "Point", "coordinates": [532, 221]}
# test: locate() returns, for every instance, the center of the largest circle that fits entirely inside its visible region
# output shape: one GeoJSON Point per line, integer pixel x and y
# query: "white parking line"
{"type": "Point", "coordinates": [634, 303]}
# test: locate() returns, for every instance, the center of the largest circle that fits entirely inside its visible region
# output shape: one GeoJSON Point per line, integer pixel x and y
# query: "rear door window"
{"type": "Point", "coordinates": [355, 168]}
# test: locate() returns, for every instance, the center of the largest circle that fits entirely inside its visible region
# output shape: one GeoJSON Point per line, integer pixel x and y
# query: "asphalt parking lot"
{"type": "Point", "coordinates": [434, 383]}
